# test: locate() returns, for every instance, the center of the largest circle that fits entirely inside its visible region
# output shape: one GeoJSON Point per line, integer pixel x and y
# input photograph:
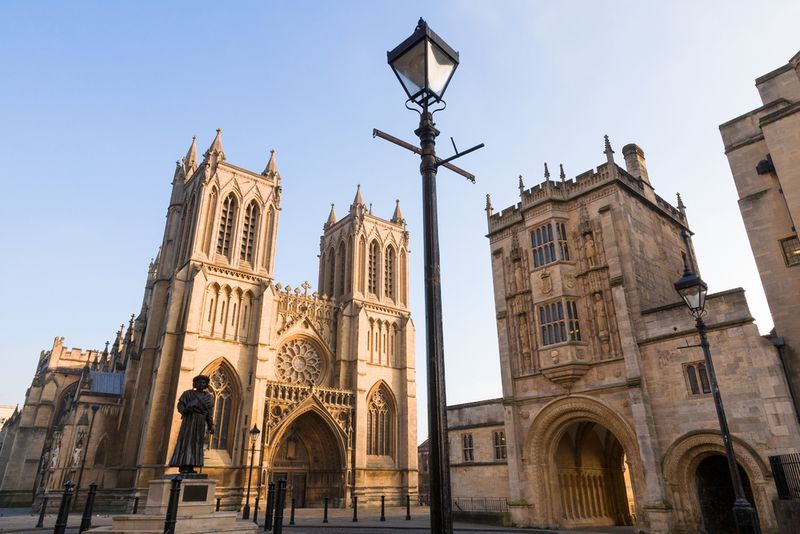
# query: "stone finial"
{"type": "Point", "coordinates": [271, 170]}
{"type": "Point", "coordinates": [306, 286]}
{"type": "Point", "coordinates": [561, 173]}
{"type": "Point", "coordinates": [215, 150]}
{"type": "Point", "coordinates": [521, 185]}
{"type": "Point", "coordinates": [358, 200]}
{"type": "Point", "coordinates": [190, 160]}
{"type": "Point", "coordinates": [681, 206]}
{"type": "Point", "coordinates": [331, 218]}
{"type": "Point", "coordinates": [397, 216]}
{"type": "Point", "coordinates": [609, 152]}
{"type": "Point", "coordinates": [179, 174]}
{"type": "Point", "coordinates": [489, 209]}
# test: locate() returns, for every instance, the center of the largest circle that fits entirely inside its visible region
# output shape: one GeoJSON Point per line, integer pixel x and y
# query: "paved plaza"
{"type": "Point", "coordinates": [20, 520]}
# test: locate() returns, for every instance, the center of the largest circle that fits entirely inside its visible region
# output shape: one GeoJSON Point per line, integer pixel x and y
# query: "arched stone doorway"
{"type": "Point", "coordinates": [716, 495]}
{"type": "Point", "coordinates": [592, 477]}
{"type": "Point", "coordinates": [308, 456]}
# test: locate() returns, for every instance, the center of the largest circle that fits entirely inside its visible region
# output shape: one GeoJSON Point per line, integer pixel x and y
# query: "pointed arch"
{"type": "Point", "coordinates": [362, 250]}
{"type": "Point", "coordinates": [402, 279]}
{"type": "Point", "coordinates": [211, 212]}
{"type": "Point", "coordinates": [226, 388]}
{"type": "Point", "coordinates": [330, 268]}
{"type": "Point", "coordinates": [101, 451]}
{"type": "Point", "coordinates": [340, 268]}
{"type": "Point", "coordinates": [250, 232]}
{"type": "Point", "coordinates": [246, 315]}
{"type": "Point", "coordinates": [210, 309]}
{"type": "Point", "coordinates": [389, 273]}
{"type": "Point", "coordinates": [381, 421]}
{"type": "Point", "coordinates": [373, 266]}
{"type": "Point", "coordinates": [186, 233]}
{"type": "Point", "coordinates": [226, 221]}
{"type": "Point", "coordinates": [269, 239]}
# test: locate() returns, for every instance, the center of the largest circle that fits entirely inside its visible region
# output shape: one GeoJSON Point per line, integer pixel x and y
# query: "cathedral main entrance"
{"type": "Point", "coordinates": [309, 458]}
{"type": "Point", "coordinates": [592, 476]}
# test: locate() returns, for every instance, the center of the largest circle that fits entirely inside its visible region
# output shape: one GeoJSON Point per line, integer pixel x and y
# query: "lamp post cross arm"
{"type": "Point", "coordinates": [439, 161]}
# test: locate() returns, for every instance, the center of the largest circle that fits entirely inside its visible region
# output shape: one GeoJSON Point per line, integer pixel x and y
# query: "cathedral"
{"type": "Point", "coordinates": [320, 385]}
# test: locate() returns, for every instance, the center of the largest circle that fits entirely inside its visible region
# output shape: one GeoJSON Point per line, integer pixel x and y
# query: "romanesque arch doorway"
{"type": "Point", "coordinates": [716, 495]}
{"type": "Point", "coordinates": [594, 484]}
{"type": "Point", "coordinates": [309, 458]}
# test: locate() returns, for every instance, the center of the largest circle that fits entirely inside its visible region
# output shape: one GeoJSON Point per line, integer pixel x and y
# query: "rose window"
{"type": "Point", "coordinates": [298, 362]}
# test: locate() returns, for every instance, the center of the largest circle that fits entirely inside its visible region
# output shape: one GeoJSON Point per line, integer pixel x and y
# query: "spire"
{"type": "Point", "coordinates": [521, 185]}
{"type": "Point", "coordinates": [179, 172]}
{"type": "Point", "coordinates": [546, 173]}
{"type": "Point", "coordinates": [358, 200]}
{"type": "Point", "coordinates": [489, 209]}
{"type": "Point", "coordinates": [331, 219]}
{"type": "Point", "coordinates": [681, 206]}
{"type": "Point", "coordinates": [215, 150]}
{"type": "Point", "coordinates": [271, 170]}
{"type": "Point", "coordinates": [561, 172]}
{"type": "Point", "coordinates": [397, 216]}
{"type": "Point", "coordinates": [190, 160]}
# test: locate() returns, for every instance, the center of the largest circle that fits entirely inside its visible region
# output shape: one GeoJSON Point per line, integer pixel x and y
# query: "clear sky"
{"type": "Point", "coordinates": [100, 98]}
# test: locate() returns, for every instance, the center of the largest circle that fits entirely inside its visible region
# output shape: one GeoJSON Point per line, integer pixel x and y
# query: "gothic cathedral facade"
{"type": "Point", "coordinates": [328, 377]}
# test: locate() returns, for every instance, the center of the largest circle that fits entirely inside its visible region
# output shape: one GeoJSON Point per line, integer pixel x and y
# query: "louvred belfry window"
{"type": "Point", "coordinates": [226, 219]}
{"type": "Point", "coordinates": [249, 231]}
{"type": "Point", "coordinates": [373, 268]}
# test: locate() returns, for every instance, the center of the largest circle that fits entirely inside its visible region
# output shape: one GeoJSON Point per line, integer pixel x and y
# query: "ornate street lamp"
{"type": "Point", "coordinates": [424, 65]}
{"type": "Point", "coordinates": [693, 291]}
{"type": "Point", "coordinates": [254, 432]}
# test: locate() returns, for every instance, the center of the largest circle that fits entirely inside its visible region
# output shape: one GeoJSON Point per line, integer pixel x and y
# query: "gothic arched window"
{"type": "Point", "coordinates": [223, 386]}
{"type": "Point", "coordinates": [388, 273]}
{"type": "Point", "coordinates": [210, 214]}
{"type": "Point", "coordinates": [340, 269]}
{"type": "Point", "coordinates": [226, 219]}
{"type": "Point", "coordinates": [380, 423]}
{"type": "Point", "coordinates": [249, 231]}
{"type": "Point", "coordinates": [403, 282]}
{"type": "Point", "coordinates": [373, 267]}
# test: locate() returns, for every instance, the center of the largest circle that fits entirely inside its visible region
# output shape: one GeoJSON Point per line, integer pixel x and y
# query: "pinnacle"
{"type": "Point", "coordinates": [397, 217]}
{"type": "Point", "coordinates": [272, 166]}
{"type": "Point", "coordinates": [216, 147]}
{"type": "Point", "coordinates": [358, 200]}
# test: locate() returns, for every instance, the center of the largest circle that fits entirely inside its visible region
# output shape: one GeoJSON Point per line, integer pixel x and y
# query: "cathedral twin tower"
{"type": "Point", "coordinates": [328, 377]}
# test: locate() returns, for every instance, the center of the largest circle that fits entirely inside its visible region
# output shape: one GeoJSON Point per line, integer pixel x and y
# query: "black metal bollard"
{"type": "Point", "coordinates": [42, 511]}
{"type": "Point", "coordinates": [86, 519]}
{"type": "Point", "coordinates": [280, 501]}
{"type": "Point", "coordinates": [355, 508]}
{"type": "Point", "coordinates": [219, 500]}
{"type": "Point", "coordinates": [408, 507]}
{"type": "Point", "coordinates": [172, 506]}
{"type": "Point", "coordinates": [270, 507]}
{"type": "Point", "coordinates": [325, 512]}
{"type": "Point", "coordinates": [255, 510]}
{"type": "Point", "coordinates": [383, 508]}
{"type": "Point", "coordinates": [135, 505]}
{"type": "Point", "coordinates": [291, 516]}
{"type": "Point", "coordinates": [63, 510]}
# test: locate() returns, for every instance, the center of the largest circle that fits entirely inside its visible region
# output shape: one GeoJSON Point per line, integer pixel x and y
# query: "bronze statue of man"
{"type": "Point", "coordinates": [196, 407]}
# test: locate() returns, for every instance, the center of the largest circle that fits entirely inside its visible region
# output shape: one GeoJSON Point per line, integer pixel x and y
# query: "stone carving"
{"type": "Point", "coordinates": [601, 321]}
{"type": "Point", "coordinates": [524, 340]}
{"type": "Point", "coordinates": [546, 285]}
{"type": "Point", "coordinates": [569, 281]}
{"type": "Point", "coordinates": [54, 455]}
{"type": "Point", "coordinates": [76, 454]}
{"type": "Point", "coordinates": [298, 362]}
{"type": "Point", "coordinates": [312, 311]}
{"type": "Point", "coordinates": [196, 407]}
{"type": "Point", "coordinates": [282, 399]}
{"type": "Point", "coordinates": [590, 250]}
{"type": "Point", "coordinates": [519, 276]}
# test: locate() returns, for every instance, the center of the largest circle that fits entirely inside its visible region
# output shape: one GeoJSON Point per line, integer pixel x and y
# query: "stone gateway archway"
{"type": "Point", "coordinates": [578, 450]}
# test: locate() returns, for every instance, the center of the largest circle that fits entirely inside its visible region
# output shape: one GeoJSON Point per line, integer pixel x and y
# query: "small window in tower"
{"type": "Point", "coordinates": [697, 378]}
{"type": "Point", "coordinates": [791, 251]}
{"type": "Point", "coordinates": [388, 275]}
{"type": "Point", "coordinates": [226, 225]}
{"type": "Point", "coordinates": [549, 246]}
{"type": "Point", "coordinates": [373, 268]}
{"type": "Point", "coordinates": [500, 445]}
{"type": "Point", "coordinates": [467, 447]}
{"type": "Point", "coordinates": [249, 232]}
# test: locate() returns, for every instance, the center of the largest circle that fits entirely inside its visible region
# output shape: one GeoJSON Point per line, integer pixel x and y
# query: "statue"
{"type": "Point", "coordinates": [196, 407]}
{"type": "Point", "coordinates": [591, 251]}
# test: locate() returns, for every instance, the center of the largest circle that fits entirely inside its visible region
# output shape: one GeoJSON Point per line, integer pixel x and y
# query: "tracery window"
{"type": "Point", "coordinates": [221, 385]}
{"type": "Point", "coordinates": [340, 270]}
{"type": "Point", "coordinates": [500, 445]}
{"type": "Point", "coordinates": [548, 245]}
{"type": "Point", "coordinates": [380, 424]}
{"type": "Point", "coordinates": [373, 267]}
{"type": "Point", "coordinates": [249, 231]}
{"type": "Point", "coordinates": [388, 274]}
{"type": "Point", "coordinates": [468, 447]}
{"type": "Point", "coordinates": [791, 251]}
{"type": "Point", "coordinates": [695, 371]}
{"type": "Point", "coordinates": [226, 219]}
{"type": "Point", "coordinates": [555, 325]}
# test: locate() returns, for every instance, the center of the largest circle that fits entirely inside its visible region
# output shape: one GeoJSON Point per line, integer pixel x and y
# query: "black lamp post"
{"type": "Point", "coordinates": [254, 432]}
{"type": "Point", "coordinates": [424, 64]}
{"type": "Point", "coordinates": [693, 291]}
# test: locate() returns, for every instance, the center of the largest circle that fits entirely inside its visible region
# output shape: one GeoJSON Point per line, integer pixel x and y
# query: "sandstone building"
{"type": "Point", "coordinates": [606, 416]}
{"type": "Point", "coordinates": [763, 149]}
{"type": "Point", "coordinates": [327, 376]}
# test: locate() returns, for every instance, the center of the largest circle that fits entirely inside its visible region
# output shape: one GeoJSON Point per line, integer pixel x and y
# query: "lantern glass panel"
{"type": "Point", "coordinates": [410, 67]}
{"type": "Point", "coordinates": [440, 69]}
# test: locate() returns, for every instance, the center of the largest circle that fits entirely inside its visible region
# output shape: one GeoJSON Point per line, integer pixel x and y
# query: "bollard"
{"type": "Point", "coordinates": [63, 510]}
{"type": "Point", "coordinates": [219, 499]}
{"type": "Point", "coordinates": [355, 508]}
{"type": "Point", "coordinates": [383, 508]}
{"type": "Point", "coordinates": [291, 517]}
{"type": "Point", "coordinates": [325, 512]}
{"type": "Point", "coordinates": [172, 506]}
{"type": "Point", "coordinates": [135, 505]}
{"type": "Point", "coordinates": [86, 519]}
{"type": "Point", "coordinates": [255, 510]}
{"type": "Point", "coordinates": [42, 511]}
{"type": "Point", "coordinates": [270, 507]}
{"type": "Point", "coordinates": [408, 507]}
{"type": "Point", "coordinates": [280, 501]}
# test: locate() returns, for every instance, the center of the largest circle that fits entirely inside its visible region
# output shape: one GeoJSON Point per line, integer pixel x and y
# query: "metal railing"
{"type": "Point", "coordinates": [786, 472]}
{"type": "Point", "coordinates": [480, 504]}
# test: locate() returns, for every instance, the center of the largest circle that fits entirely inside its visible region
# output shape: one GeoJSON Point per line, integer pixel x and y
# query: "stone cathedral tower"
{"type": "Point", "coordinates": [328, 377]}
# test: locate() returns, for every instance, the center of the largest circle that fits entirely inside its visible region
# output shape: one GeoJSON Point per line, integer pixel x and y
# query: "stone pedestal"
{"type": "Point", "coordinates": [195, 511]}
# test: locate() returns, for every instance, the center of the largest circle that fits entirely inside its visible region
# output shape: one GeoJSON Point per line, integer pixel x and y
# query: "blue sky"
{"type": "Point", "coordinates": [100, 99]}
